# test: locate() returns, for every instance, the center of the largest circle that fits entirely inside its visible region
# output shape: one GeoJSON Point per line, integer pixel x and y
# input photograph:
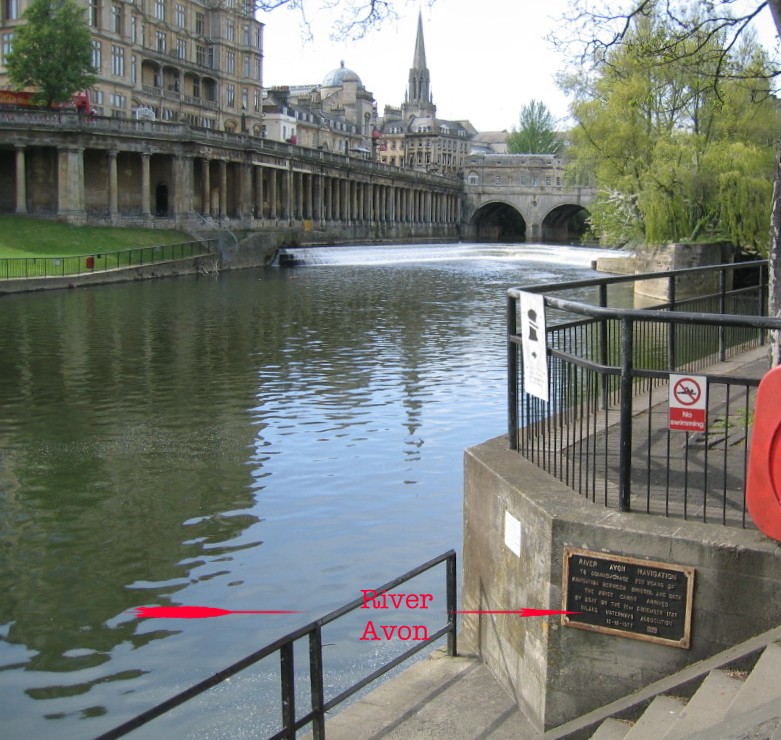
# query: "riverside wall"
{"type": "Point", "coordinates": [557, 673]}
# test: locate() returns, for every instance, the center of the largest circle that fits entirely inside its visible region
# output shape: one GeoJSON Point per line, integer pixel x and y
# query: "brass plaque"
{"type": "Point", "coordinates": [630, 597]}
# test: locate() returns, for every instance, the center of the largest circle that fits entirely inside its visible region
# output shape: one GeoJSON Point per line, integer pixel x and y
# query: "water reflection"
{"type": "Point", "coordinates": [266, 439]}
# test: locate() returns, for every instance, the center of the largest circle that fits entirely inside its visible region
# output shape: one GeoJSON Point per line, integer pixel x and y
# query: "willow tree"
{"type": "Point", "coordinates": [594, 31]}
{"type": "Point", "coordinates": [675, 158]}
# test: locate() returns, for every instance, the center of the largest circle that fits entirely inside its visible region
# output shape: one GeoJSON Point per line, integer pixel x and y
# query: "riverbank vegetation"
{"type": "Point", "coordinates": [677, 133]}
{"type": "Point", "coordinates": [21, 236]}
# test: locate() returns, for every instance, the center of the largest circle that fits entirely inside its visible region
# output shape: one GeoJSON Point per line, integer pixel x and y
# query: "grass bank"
{"type": "Point", "coordinates": [21, 236]}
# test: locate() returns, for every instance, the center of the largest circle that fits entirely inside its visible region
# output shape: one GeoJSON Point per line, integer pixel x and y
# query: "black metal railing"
{"type": "Point", "coordinates": [604, 430]}
{"type": "Point", "coordinates": [14, 268]}
{"type": "Point", "coordinates": [313, 632]}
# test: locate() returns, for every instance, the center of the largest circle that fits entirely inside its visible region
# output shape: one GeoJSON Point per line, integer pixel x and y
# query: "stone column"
{"type": "Point", "coordinates": [146, 207]}
{"type": "Point", "coordinates": [223, 189]}
{"type": "Point", "coordinates": [245, 190]}
{"type": "Point", "coordinates": [206, 188]}
{"type": "Point", "coordinates": [183, 186]}
{"type": "Point", "coordinates": [258, 191]}
{"type": "Point", "coordinates": [318, 199]}
{"type": "Point", "coordinates": [272, 196]}
{"type": "Point", "coordinates": [287, 190]}
{"type": "Point", "coordinates": [70, 185]}
{"type": "Point", "coordinates": [113, 189]}
{"type": "Point", "coordinates": [21, 181]}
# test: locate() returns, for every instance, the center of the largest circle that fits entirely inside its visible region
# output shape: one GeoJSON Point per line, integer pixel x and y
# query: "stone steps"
{"type": "Point", "coordinates": [727, 704]}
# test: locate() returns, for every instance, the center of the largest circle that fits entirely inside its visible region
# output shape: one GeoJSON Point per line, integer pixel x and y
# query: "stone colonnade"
{"type": "Point", "coordinates": [125, 185]}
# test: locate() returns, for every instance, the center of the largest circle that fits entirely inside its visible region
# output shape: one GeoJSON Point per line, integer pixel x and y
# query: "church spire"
{"type": "Point", "coordinates": [419, 60]}
{"type": "Point", "coordinates": [418, 100]}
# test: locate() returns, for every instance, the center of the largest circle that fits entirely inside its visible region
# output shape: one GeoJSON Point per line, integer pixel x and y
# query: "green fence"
{"type": "Point", "coordinates": [12, 268]}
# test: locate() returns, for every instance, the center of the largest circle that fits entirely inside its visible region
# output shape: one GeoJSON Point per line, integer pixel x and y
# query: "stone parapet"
{"type": "Point", "coordinates": [557, 673]}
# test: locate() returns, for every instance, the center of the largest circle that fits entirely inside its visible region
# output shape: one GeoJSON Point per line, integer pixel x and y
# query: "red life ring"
{"type": "Point", "coordinates": [763, 484]}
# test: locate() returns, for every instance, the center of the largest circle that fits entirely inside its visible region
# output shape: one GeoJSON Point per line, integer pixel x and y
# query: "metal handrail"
{"type": "Point", "coordinates": [313, 630]}
{"type": "Point", "coordinates": [20, 268]}
{"type": "Point", "coordinates": [590, 354]}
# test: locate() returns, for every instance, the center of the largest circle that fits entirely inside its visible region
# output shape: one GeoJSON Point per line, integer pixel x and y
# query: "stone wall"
{"type": "Point", "coordinates": [558, 673]}
{"type": "Point", "coordinates": [669, 257]}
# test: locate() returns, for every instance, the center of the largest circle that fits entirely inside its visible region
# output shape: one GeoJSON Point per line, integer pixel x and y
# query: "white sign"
{"type": "Point", "coordinates": [533, 344]}
{"type": "Point", "coordinates": [512, 533]}
{"type": "Point", "coordinates": [688, 403]}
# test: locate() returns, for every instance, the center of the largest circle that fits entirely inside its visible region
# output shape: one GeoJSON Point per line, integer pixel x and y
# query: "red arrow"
{"type": "Point", "coordinates": [198, 612]}
{"type": "Point", "coordinates": [519, 612]}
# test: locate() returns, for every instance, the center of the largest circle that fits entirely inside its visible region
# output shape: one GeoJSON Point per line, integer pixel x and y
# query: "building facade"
{"type": "Point", "coordinates": [191, 61]}
{"type": "Point", "coordinates": [412, 135]}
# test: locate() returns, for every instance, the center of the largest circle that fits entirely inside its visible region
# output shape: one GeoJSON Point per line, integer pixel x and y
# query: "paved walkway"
{"type": "Point", "coordinates": [438, 697]}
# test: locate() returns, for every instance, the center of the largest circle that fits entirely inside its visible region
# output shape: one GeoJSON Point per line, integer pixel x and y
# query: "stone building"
{"type": "Point", "coordinates": [412, 135]}
{"type": "Point", "coordinates": [190, 61]}
{"type": "Point", "coordinates": [338, 115]}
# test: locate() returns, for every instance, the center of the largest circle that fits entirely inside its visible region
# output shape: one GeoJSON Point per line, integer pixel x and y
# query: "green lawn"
{"type": "Point", "coordinates": [30, 247]}
{"type": "Point", "coordinates": [31, 237]}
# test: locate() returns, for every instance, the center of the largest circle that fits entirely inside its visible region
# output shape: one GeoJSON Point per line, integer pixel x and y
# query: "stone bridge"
{"type": "Point", "coordinates": [517, 197]}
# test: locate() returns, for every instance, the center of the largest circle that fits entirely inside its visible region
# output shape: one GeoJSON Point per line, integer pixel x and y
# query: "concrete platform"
{"type": "Point", "coordinates": [438, 697]}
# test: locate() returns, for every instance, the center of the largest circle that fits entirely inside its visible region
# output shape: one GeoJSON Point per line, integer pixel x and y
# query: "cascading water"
{"type": "Point", "coordinates": [390, 255]}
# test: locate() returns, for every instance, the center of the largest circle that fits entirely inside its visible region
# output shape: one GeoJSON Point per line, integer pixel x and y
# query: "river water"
{"type": "Point", "coordinates": [265, 439]}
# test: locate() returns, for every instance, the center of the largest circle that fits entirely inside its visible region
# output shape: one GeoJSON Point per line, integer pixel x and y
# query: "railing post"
{"type": "Point", "coordinates": [452, 605]}
{"type": "Point", "coordinates": [722, 310]}
{"type": "Point", "coordinates": [603, 343]}
{"type": "Point", "coordinates": [287, 680]}
{"type": "Point", "coordinates": [763, 299]}
{"type": "Point", "coordinates": [671, 354]}
{"type": "Point", "coordinates": [316, 682]}
{"type": "Point", "coordinates": [625, 432]}
{"type": "Point", "coordinates": [512, 374]}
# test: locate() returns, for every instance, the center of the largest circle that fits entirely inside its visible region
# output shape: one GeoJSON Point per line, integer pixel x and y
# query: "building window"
{"type": "Point", "coordinates": [213, 58]}
{"type": "Point", "coordinates": [246, 65]}
{"type": "Point", "coordinates": [257, 37]}
{"type": "Point", "coordinates": [134, 28]}
{"type": "Point", "coordinates": [230, 96]}
{"type": "Point", "coordinates": [257, 101]}
{"type": "Point", "coordinates": [116, 19]}
{"type": "Point", "coordinates": [160, 10]}
{"type": "Point", "coordinates": [230, 31]}
{"type": "Point", "coordinates": [244, 98]}
{"type": "Point", "coordinates": [117, 61]}
{"type": "Point", "coordinates": [160, 40]}
{"type": "Point", "coordinates": [230, 62]}
{"type": "Point", "coordinates": [200, 55]}
{"type": "Point", "coordinates": [196, 88]}
{"type": "Point", "coordinates": [181, 16]}
{"type": "Point", "coordinates": [548, 181]}
{"type": "Point", "coordinates": [97, 55]}
{"type": "Point", "coordinates": [7, 42]}
{"type": "Point", "coordinates": [181, 48]}
{"type": "Point", "coordinates": [93, 16]}
{"type": "Point", "coordinates": [199, 23]}
{"type": "Point", "coordinates": [133, 69]}
{"type": "Point", "coordinates": [117, 103]}
{"type": "Point", "coordinates": [245, 35]}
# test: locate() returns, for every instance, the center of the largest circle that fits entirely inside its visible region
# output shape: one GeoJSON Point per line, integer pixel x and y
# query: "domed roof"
{"type": "Point", "coordinates": [337, 77]}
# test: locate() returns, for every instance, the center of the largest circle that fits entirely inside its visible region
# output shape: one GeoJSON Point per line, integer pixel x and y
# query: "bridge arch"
{"type": "Point", "coordinates": [498, 221]}
{"type": "Point", "coordinates": [564, 223]}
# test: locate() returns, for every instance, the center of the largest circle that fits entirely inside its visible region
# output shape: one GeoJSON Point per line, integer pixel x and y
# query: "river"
{"type": "Point", "coordinates": [264, 439]}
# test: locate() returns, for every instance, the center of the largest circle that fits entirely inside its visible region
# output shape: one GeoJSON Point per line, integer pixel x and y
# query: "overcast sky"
{"type": "Point", "coordinates": [487, 58]}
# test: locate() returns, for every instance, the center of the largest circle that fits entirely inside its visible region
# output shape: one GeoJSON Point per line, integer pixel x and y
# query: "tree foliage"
{"type": "Point", "coordinates": [52, 51]}
{"type": "Point", "coordinates": [537, 132]}
{"type": "Point", "coordinates": [677, 133]}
